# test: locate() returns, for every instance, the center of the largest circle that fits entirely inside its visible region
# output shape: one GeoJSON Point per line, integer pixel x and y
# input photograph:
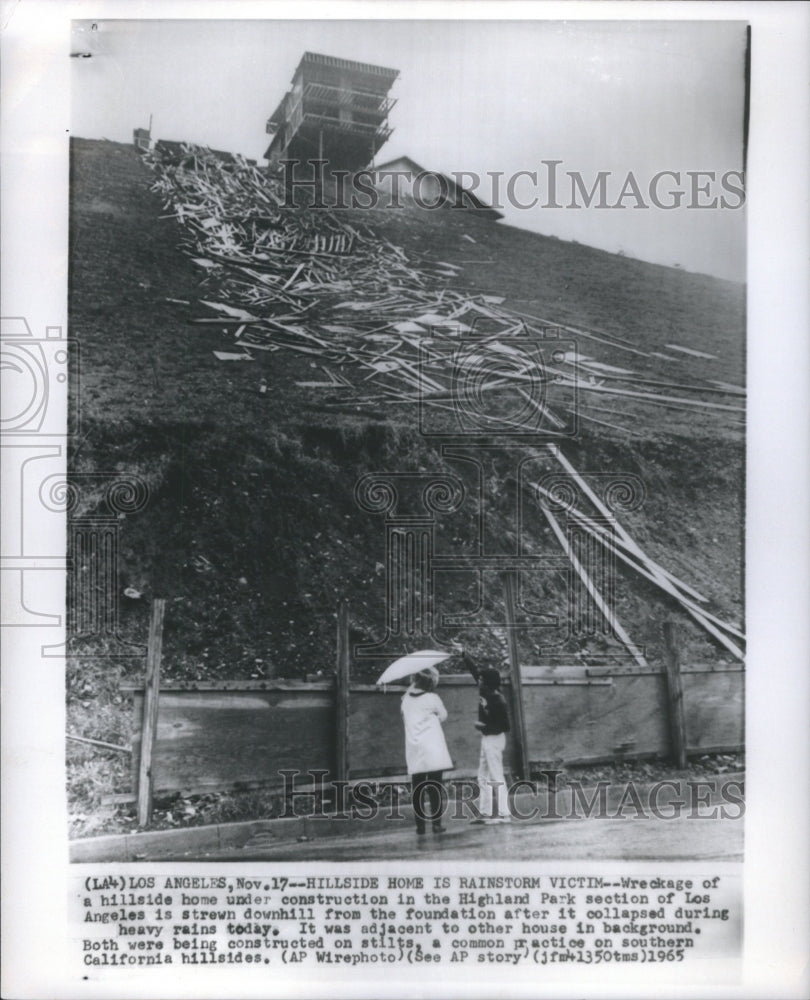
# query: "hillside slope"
{"type": "Point", "coordinates": [252, 531]}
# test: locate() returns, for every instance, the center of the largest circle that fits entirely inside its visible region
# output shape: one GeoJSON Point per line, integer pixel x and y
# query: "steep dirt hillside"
{"type": "Point", "coordinates": [252, 530]}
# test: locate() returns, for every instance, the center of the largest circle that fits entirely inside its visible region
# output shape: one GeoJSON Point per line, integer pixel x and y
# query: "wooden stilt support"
{"type": "Point", "coordinates": [626, 539]}
{"type": "Point", "coordinates": [677, 722]}
{"type": "Point", "coordinates": [642, 563]}
{"type": "Point", "coordinates": [342, 694]}
{"type": "Point", "coordinates": [701, 616]}
{"type": "Point", "coordinates": [655, 573]}
{"type": "Point", "coordinates": [518, 715]}
{"type": "Point", "coordinates": [598, 600]}
{"type": "Point", "coordinates": [618, 542]}
{"type": "Point", "coordinates": [150, 711]}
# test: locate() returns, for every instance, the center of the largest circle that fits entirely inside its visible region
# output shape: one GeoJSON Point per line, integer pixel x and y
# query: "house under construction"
{"type": "Point", "coordinates": [335, 110]}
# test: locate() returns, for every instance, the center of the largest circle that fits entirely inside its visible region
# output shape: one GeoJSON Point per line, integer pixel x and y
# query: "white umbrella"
{"type": "Point", "coordinates": [411, 664]}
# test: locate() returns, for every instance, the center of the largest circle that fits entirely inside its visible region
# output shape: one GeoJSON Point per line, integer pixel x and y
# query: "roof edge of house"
{"type": "Point", "coordinates": [477, 205]}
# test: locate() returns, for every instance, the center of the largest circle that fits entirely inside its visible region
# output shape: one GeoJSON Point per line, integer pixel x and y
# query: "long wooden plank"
{"type": "Point", "coordinates": [448, 680]}
{"type": "Point", "coordinates": [284, 684]}
{"type": "Point", "coordinates": [701, 616]}
{"type": "Point", "coordinates": [615, 341]}
{"type": "Point", "coordinates": [633, 379]}
{"type": "Point", "coordinates": [690, 350]}
{"type": "Point", "coordinates": [704, 617]}
{"type": "Point", "coordinates": [150, 711]}
{"type": "Point", "coordinates": [626, 538]}
{"type": "Point", "coordinates": [98, 743]}
{"type": "Point", "coordinates": [654, 397]}
{"type": "Point", "coordinates": [677, 722]}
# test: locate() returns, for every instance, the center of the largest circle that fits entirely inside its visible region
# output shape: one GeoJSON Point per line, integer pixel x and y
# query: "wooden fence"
{"type": "Point", "coordinates": [219, 735]}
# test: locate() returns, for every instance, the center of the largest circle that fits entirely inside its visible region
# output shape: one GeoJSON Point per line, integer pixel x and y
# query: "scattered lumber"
{"type": "Point", "coordinates": [309, 281]}
{"type": "Point", "coordinates": [598, 600]}
{"type": "Point", "coordinates": [627, 541]}
{"type": "Point", "coordinates": [386, 329]}
{"type": "Point", "coordinates": [625, 548]}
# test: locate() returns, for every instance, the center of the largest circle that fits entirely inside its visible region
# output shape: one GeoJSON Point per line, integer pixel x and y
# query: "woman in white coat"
{"type": "Point", "coordinates": [425, 749]}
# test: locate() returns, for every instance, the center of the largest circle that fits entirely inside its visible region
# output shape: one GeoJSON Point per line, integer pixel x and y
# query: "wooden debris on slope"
{"type": "Point", "coordinates": [306, 280]}
{"type": "Point", "coordinates": [622, 545]}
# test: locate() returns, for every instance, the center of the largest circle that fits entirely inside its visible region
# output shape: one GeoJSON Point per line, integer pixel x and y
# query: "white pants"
{"type": "Point", "coordinates": [492, 798]}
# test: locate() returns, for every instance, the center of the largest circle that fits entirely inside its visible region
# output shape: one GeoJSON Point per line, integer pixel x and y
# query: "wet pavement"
{"type": "Point", "coordinates": [680, 839]}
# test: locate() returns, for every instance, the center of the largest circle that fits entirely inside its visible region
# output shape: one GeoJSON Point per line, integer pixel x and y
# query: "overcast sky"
{"type": "Point", "coordinates": [640, 97]}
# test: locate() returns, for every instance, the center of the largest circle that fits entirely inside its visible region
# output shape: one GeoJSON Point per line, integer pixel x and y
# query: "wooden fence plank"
{"type": "Point", "coordinates": [232, 738]}
{"type": "Point", "coordinates": [212, 740]}
{"type": "Point", "coordinates": [150, 711]}
{"type": "Point", "coordinates": [241, 685]}
{"type": "Point", "coordinates": [675, 712]}
{"type": "Point", "coordinates": [376, 735]}
{"type": "Point", "coordinates": [714, 709]}
{"type": "Point", "coordinates": [583, 722]}
{"type": "Point", "coordinates": [342, 694]}
{"type": "Point", "coordinates": [531, 675]}
{"type": "Point", "coordinates": [518, 716]}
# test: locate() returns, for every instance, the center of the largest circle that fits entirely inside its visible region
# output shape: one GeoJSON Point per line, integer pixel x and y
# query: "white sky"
{"type": "Point", "coordinates": [472, 95]}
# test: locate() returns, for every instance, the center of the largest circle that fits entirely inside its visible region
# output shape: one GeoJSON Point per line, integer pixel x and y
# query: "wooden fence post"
{"type": "Point", "coordinates": [151, 697]}
{"type": "Point", "coordinates": [342, 694]}
{"type": "Point", "coordinates": [518, 716]}
{"type": "Point", "coordinates": [677, 722]}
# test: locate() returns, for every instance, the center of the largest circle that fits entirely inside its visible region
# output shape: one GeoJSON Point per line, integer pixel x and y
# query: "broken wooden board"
{"type": "Point", "coordinates": [691, 351]}
{"type": "Point", "coordinates": [228, 356]}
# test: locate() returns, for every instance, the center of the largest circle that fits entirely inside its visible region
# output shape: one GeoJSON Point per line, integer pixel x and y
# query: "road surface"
{"type": "Point", "coordinates": [594, 839]}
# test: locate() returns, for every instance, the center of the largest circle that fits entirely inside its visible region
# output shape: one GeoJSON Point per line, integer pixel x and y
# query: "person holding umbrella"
{"type": "Point", "coordinates": [425, 748]}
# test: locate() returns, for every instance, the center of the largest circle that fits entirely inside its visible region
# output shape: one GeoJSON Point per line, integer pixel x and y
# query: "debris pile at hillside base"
{"type": "Point", "coordinates": [386, 328]}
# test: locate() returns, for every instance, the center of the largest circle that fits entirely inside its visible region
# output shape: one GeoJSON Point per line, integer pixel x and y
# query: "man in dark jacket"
{"type": "Point", "coordinates": [493, 724]}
